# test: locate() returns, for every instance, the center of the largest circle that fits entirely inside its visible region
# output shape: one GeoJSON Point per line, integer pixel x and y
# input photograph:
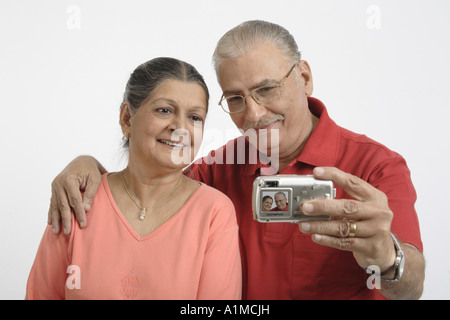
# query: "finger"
{"type": "Point", "coordinates": [72, 188]}
{"type": "Point", "coordinates": [49, 215]}
{"type": "Point", "coordinates": [53, 214]}
{"type": "Point", "coordinates": [352, 185]}
{"type": "Point", "coordinates": [337, 228]}
{"type": "Point", "coordinates": [91, 188]}
{"type": "Point", "coordinates": [346, 244]}
{"type": "Point", "coordinates": [345, 208]}
{"type": "Point", "coordinates": [64, 209]}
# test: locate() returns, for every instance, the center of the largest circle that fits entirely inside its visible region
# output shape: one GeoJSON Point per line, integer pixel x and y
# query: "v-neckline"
{"type": "Point", "coordinates": [128, 225]}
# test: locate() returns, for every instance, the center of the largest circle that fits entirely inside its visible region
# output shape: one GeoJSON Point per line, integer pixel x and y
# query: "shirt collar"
{"type": "Point", "coordinates": [322, 146]}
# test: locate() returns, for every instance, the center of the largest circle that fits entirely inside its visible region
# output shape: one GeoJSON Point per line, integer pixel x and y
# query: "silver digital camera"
{"type": "Point", "coordinates": [278, 198]}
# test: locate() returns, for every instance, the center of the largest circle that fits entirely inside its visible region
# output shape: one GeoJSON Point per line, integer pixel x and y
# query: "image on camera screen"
{"type": "Point", "coordinates": [275, 201]}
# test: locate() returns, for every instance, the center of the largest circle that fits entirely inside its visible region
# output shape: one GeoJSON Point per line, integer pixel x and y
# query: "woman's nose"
{"type": "Point", "coordinates": [177, 123]}
{"type": "Point", "coordinates": [178, 129]}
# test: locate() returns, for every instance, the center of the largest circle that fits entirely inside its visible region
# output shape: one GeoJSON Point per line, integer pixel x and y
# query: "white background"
{"type": "Point", "coordinates": [381, 67]}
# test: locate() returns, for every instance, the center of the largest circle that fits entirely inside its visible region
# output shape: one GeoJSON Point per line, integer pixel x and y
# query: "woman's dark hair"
{"type": "Point", "coordinates": [146, 78]}
{"type": "Point", "coordinates": [149, 75]}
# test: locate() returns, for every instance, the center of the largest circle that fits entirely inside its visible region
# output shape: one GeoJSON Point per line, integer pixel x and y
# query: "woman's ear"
{"type": "Point", "coordinates": [125, 119]}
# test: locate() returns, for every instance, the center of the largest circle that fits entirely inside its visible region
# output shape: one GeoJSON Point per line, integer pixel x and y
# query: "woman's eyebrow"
{"type": "Point", "coordinates": [171, 101]}
{"type": "Point", "coordinates": [174, 103]}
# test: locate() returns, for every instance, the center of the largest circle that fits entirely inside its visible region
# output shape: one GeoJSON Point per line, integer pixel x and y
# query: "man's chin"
{"type": "Point", "coordinates": [266, 141]}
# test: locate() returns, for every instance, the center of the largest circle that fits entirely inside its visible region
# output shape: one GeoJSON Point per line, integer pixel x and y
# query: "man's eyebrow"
{"type": "Point", "coordinates": [260, 84]}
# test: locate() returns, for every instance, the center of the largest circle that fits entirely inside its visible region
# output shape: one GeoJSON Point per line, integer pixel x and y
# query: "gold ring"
{"type": "Point", "coordinates": [352, 232]}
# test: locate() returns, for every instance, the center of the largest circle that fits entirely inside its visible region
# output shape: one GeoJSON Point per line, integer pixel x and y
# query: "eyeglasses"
{"type": "Point", "coordinates": [262, 95]}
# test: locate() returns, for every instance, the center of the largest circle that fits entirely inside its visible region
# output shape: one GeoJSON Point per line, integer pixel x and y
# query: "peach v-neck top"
{"type": "Point", "coordinates": [194, 255]}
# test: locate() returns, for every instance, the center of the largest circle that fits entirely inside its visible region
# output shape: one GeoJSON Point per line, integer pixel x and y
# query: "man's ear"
{"type": "Point", "coordinates": [306, 75]}
{"type": "Point", "coordinates": [125, 119]}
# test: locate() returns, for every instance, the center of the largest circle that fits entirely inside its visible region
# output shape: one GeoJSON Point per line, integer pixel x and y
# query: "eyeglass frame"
{"type": "Point", "coordinates": [279, 85]}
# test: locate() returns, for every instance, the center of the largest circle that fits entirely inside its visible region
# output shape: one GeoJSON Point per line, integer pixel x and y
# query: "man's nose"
{"type": "Point", "coordinates": [253, 110]}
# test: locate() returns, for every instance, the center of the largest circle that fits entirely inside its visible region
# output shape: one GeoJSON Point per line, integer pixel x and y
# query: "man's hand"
{"type": "Point", "coordinates": [363, 226]}
{"type": "Point", "coordinates": [371, 242]}
{"type": "Point", "coordinates": [83, 174]}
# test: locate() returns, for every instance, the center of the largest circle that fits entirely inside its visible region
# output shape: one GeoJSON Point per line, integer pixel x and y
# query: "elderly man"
{"type": "Point", "coordinates": [374, 225]}
{"type": "Point", "coordinates": [281, 202]}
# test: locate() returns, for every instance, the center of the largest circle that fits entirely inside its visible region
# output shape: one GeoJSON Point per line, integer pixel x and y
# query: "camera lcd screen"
{"type": "Point", "coordinates": [275, 202]}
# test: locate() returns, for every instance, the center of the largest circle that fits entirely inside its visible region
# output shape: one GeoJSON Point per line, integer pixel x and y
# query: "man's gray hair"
{"type": "Point", "coordinates": [280, 193]}
{"type": "Point", "coordinates": [249, 35]}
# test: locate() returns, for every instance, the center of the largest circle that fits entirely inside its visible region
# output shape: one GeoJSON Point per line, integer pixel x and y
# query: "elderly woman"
{"type": "Point", "coordinates": [267, 202]}
{"type": "Point", "coordinates": [153, 233]}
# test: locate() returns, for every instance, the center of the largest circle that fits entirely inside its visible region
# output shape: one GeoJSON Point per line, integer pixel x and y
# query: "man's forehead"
{"type": "Point", "coordinates": [254, 69]}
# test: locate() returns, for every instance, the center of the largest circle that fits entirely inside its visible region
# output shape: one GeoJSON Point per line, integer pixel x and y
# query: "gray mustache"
{"type": "Point", "coordinates": [263, 122]}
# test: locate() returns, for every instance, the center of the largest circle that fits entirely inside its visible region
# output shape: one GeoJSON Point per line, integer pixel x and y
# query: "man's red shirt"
{"type": "Point", "coordinates": [285, 208]}
{"type": "Point", "coordinates": [279, 262]}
